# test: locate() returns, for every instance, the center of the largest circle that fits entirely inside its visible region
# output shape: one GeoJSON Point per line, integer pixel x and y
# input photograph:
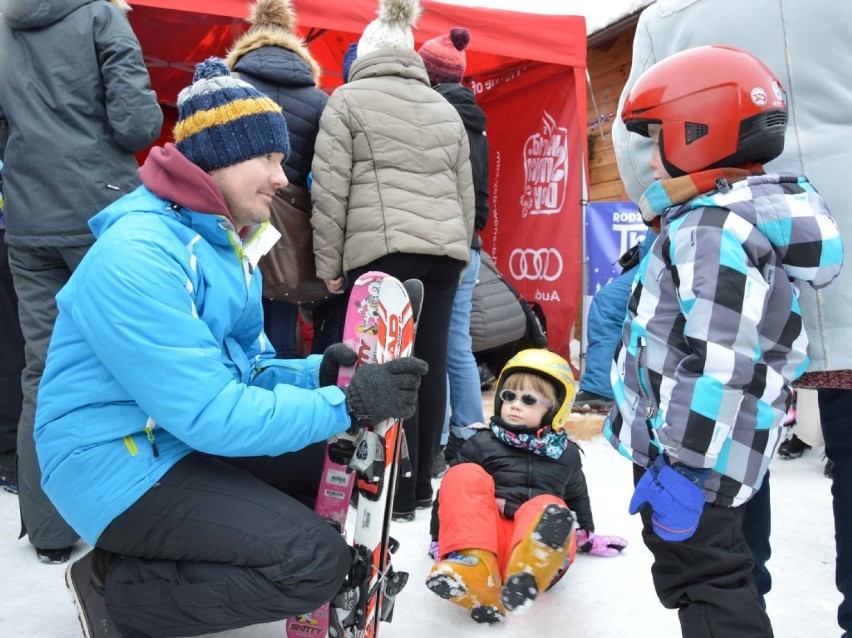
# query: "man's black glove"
{"type": "Point", "coordinates": [336, 355]}
{"type": "Point", "coordinates": [384, 390]}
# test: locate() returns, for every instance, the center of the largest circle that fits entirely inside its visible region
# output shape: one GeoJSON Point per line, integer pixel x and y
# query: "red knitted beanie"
{"type": "Point", "coordinates": [444, 56]}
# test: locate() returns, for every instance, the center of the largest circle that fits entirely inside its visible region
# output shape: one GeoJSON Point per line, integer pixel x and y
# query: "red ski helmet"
{"type": "Point", "coordinates": [718, 107]}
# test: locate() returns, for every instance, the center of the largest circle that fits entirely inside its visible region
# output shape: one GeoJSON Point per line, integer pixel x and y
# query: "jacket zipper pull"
{"type": "Point", "coordinates": [149, 432]}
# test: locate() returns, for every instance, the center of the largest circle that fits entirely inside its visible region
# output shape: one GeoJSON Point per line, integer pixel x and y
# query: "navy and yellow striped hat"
{"type": "Point", "coordinates": [223, 121]}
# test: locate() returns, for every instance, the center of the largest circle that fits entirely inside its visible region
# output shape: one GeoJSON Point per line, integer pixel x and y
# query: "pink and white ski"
{"type": "Point", "coordinates": [360, 332]}
{"type": "Point", "coordinates": [379, 326]}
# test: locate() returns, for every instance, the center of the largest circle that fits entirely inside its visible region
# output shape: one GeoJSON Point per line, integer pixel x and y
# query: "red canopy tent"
{"type": "Point", "coordinates": [528, 72]}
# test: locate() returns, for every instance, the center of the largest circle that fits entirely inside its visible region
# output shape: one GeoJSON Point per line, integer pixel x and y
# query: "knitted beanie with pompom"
{"type": "Point", "coordinates": [444, 56]}
{"type": "Point", "coordinates": [223, 121]}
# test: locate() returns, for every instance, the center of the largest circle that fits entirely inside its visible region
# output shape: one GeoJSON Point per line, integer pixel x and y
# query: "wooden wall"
{"type": "Point", "coordinates": [609, 66]}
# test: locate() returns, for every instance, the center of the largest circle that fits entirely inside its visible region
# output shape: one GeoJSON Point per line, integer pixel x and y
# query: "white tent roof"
{"type": "Point", "coordinates": [599, 14]}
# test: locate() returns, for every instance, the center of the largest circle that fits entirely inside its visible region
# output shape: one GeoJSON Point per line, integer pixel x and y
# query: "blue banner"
{"type": "Point", "coordinates": [611, 228]}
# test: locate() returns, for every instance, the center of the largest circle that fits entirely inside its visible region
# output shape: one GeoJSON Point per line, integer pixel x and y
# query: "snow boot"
{"type": "Point", "coordinates": [792, 448]}
{"type": "Point", "coordinates": [89, 600]}
{"type": "Point", "coordinates": [8, 476]}
{"type": "Point", "coordinates": [538, 557]}
{"type": "Point", "coordinates": [470, 578]}
{"type": "Point", "coordinates": [586, 401]}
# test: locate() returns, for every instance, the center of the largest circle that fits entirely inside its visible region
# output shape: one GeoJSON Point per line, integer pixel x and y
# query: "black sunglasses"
{"type": "Point", "coordinates": [510, 396]}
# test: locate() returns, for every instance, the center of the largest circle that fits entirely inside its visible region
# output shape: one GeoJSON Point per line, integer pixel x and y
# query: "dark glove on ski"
{"type": "Point", "coordinates": [384, 390]}
{"type": "Point", "coordinates": [336, 355]}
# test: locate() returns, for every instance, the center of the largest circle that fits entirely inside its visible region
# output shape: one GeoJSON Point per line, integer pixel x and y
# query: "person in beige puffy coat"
{"type": "Point", "coordinates": [392, 191]}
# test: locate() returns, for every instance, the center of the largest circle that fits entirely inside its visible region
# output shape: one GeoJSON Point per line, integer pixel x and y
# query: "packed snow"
{"type": "Point", "coordinates": [601, 597]}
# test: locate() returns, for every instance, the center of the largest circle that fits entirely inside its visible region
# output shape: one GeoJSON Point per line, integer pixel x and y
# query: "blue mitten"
{"type": "Point", "coordinates": [675, 496]}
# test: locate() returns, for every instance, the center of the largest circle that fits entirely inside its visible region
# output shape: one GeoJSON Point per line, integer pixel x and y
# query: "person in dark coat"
{"type": "Point", "coordinates": [69, 127]}
{"type": "Point", "coordinates": [277, 62]}
{"type": "Point", "coordinates": [445, 62]}
{"type": "Point", "coordinates": [506, 512]}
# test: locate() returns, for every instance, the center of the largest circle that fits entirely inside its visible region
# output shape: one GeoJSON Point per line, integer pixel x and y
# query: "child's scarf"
{"type": "Point", "coordinates": [550, 444]}
{"type": "Point", "coordinates": [665, 193]}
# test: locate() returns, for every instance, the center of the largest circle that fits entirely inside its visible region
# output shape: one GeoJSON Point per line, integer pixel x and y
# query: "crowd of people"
{"type": "Point", "coordinates": [195, 486]}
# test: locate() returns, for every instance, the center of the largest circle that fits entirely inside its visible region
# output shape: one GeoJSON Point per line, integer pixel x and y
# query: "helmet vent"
{"type": "Point", "coordinates": [776, 118]}
{"type": "Point", "coordinates": [695, 132]}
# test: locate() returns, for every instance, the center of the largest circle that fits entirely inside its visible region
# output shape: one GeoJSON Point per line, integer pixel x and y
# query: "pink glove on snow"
{"type": "Point", "coordinates": [590, 543]}
{"type": "Point", "coordinates": [433, 551]}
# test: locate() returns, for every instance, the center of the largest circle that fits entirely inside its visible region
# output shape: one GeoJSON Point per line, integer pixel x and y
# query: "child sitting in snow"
{"type": "Point", "coordinates": [504, 520]}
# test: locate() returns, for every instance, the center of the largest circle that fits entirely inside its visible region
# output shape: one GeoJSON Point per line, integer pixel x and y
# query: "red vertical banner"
{"type": "Point", "coordinates": [534, 232]}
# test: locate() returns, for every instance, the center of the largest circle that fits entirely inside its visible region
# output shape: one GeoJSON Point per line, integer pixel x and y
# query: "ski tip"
{"type": "Point", "coordinates": [414, 288]}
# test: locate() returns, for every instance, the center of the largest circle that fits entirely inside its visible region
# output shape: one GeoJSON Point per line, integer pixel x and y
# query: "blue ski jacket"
{"type": "Point", "coordinates": [604, 326]}
{"type": "Point", "coordinates": [159, 350]}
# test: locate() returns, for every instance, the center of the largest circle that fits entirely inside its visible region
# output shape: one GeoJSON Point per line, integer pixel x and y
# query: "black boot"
{"type": "Point", "coordinates": [91, 608]}
{"type": "Point", "coordinates": [792, 448]}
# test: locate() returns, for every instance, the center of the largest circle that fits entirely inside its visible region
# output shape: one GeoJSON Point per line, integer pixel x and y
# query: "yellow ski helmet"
{"type": "Point", "coordinates": [552, 367]}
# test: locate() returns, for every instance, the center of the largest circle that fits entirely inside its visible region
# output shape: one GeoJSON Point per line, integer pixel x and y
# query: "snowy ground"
{"type": "Point", "coordinates": [601, 597]}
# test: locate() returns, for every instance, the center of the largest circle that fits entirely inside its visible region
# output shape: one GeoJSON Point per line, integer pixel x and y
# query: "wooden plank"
{"type": "Point", "coordinates": [609, 66]}
{"type": "Point", "coordinates": [608, 191]}
{"type": "Point", "coordinates": [605, 173]}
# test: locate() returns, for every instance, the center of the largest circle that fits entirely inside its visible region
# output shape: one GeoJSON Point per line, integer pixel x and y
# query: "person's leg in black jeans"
{"type": "Point", "coordinates": [835, 408]}
{"type": "Point", "coordinates": [708, 577]}
{"type": "Point", "coordinates": [328, 317]}
{"type": "Point", "coordinates": [213, 547]}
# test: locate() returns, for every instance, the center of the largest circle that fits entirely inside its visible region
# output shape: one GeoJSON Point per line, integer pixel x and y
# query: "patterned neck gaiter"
{"type": "Point", "coordinates": [550, 444]}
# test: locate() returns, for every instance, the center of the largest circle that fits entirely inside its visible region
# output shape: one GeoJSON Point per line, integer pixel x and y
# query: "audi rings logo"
{"type": "Point", "coordinates": [542, 264]}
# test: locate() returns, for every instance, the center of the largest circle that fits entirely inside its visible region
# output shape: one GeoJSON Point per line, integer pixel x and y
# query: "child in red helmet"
{"type": "Point", "coordinates": [506, 512]}
{"type": "Point", "coordinates": [713, 336]}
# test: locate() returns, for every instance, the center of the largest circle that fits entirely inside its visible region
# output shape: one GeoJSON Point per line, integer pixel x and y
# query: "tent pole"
{"type": "Point", "coordinates": [597, 112]}
{"type": "Point", "coordinates": [584, 286]}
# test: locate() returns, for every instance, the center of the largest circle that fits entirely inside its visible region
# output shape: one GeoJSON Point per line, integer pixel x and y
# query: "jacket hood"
{"type": "Point", "coordinates": [294, 65]}
{"type": "Point", "coordinates": [27, 14]}
{"type": "Point", "coordinates": [463, 99]}
{"type": "Point", "coordinates": [790, 213]}
{"type": "Point", "coordinates": [170, 175]}
{"type": "Point", "coordinates": [404, 63]}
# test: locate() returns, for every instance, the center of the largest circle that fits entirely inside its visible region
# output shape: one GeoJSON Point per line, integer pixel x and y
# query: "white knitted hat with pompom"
{"type": "Point", "coordinates": [392, 29]}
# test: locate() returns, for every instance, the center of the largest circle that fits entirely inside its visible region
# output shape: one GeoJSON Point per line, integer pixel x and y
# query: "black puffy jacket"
{"type": "Point", "coordinates": [520, 475]}
{"type": "Point", "coordinates": [474, 120]}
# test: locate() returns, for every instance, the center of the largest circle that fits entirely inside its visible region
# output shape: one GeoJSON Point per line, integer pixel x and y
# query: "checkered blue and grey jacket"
{"type": "Point", "coordinates": [713, 335]}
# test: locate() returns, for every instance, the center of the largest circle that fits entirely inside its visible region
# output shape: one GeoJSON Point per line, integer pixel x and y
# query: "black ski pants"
{"type": "Point", "coordinates": [11, 355]}
{"type": "Point", "coordinates": [219, 543]}
{"type": "Point", "coordinates": [708, 577]}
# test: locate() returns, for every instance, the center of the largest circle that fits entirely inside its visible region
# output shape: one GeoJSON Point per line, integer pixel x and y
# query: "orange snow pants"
{"type": "Point", "coordinates": [469, 516]}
